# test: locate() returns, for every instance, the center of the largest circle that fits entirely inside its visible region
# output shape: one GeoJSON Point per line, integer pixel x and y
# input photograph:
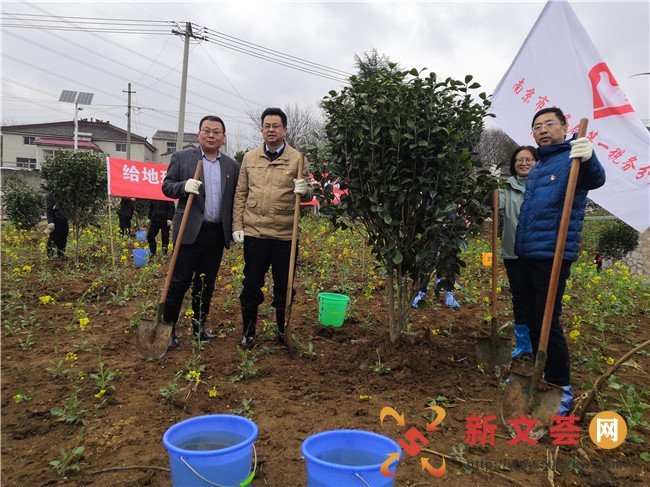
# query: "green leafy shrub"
{"type": "Point", "coordinates": [617, 239]}
{"type": "Point", "coordinates": [24, 205]}
{"type": "Point", "coordinates": [402, 144]}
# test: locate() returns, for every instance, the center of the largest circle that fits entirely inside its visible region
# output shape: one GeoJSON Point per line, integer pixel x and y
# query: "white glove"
{"type": "Point", "coordinates": [49, 229]}
{"type": "Point", "coordinates": [581, 148]}
{"type": "Point", "coordinates": [169, 223]}
{"type": "Point", "coordinates": [300, 187]}
{"type": "Point", "coordinates": [238, 236]}
{"type": "Point", "coordinates": [192, 186]}
{"type": "Point", "coordinates": [495, 171]}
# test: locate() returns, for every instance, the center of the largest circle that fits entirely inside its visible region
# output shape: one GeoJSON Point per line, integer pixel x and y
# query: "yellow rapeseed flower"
{"type": "Point", "coordinates": [27, 268]}
{"type": "Point", "coordinates": [566, 298]}
{"type": "Point", "coordinates": [609, 360]}
{"type": "Point", "coordinates": [574, 334]}
{"type": "Point", "coordinates": [363, 397]}
{"type": "Point", "coordinates": [100, 393]}
{"type": "Point", "coordinates": [83, 322]}
{"type": "Point", "coordinates": [212, 392]}
{"type": "Point", "coordinates": [47, 299]}
{"type": "Point", "coordinates": [435, 331]}
{"type": "Point", "coordinates": [193, 376]}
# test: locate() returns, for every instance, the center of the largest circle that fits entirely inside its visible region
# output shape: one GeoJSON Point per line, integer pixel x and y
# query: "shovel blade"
{"type": "Point", "coordinates": [152, 339]}
{"type": "Point", "coordinates": [496, 351]}
{"type": "Point", "coordinates": [534, 399]}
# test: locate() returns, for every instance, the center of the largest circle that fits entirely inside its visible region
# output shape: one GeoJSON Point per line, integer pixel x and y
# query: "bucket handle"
{"type": "Point", "coordinates": [361, 478]}
{"type": "Point", "coordinates": [347, 307]}
{"type": "Point", "coordinates": [246, 482]}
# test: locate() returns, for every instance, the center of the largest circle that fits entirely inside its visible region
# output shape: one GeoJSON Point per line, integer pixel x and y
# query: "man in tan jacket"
{"type": "Point", "coordinates": [263, 218]}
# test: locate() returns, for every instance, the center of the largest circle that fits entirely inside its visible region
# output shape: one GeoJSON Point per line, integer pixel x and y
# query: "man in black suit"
{"type": "Point", "coordinates": [209, 226]}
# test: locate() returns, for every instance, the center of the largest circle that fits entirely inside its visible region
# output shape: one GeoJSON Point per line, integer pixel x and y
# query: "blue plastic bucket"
{"type": "Point", "coordinates": [141, 257]}
{"type": "Point", "coordinates": [140, 235]}
{"type": "Point", "coordinates": [346, 457]}
{"type": "Point", "coordinates": [332, 308]}
{"type": "Point", "coordinates": [210, 450]}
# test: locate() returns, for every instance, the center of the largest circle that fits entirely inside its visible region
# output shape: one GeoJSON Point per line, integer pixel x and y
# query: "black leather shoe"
{"type": "Point", "coordinates": [173, 343]}
{"type": "Point", "coordinates": [247, 342]}
{"type": "Point", "coordinates": [206, 335]}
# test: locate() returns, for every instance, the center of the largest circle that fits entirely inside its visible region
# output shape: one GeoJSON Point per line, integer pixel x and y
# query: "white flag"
{"type": "Point", "coordinates": [558, 66]}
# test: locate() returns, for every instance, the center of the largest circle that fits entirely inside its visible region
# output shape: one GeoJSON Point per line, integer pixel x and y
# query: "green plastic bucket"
{"type": "Point", "coordinates": [332, 308]}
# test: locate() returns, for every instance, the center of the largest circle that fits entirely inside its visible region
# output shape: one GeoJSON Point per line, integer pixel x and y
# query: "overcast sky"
{"type": "Point", "coordinates": [451, 38]}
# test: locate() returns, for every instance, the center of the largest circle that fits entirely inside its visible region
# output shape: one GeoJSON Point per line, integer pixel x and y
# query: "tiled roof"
{"type": "Point", "coordinates": [171, 136]}
{"type": "Point", "coordinates": [85, 144]}
{"type": "Point", "coordinates": [102, 131]}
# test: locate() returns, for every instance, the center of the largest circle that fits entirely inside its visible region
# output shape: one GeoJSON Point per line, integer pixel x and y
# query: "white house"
{"type": "Point", "coordinates": [23, 148]}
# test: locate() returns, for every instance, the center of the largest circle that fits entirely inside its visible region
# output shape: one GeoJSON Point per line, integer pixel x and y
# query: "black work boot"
{"type": "Point", "coordinates": [249, 316]}
{"type": "Point", "coordinates": [173, 341]}
{"type": "Point", "coordinates": [199, 329]}
{"type": "Point", "coordinates": [280, 321]}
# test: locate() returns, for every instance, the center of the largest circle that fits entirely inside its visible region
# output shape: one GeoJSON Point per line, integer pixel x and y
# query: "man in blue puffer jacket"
{"type": "Point", "coordinates": [539, 222]}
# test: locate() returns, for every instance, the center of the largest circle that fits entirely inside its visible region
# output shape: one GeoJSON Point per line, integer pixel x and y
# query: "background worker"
{"type": "Point", "coordinates": [161, 214]}
{"type": "Point", "coordinates": [57, 229]}
{"type": "Point", "coordinates": [537, 231]}
{"type": "Point", "coordinates": [511, 196]}
{"type": "Point", "coordinates": [209, 225]}
{"type": "Point", "coordinates": [125, 214]}
{"type": "Point", "coordinates": [263, 218]}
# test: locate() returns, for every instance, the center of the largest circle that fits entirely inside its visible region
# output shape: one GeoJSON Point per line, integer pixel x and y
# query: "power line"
{"type": "Point", "coordinates": [154, 27]}
{"type": "Point", "coordinates": [144, 57]}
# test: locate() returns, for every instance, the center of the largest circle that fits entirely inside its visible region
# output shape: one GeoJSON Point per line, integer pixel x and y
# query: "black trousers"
{"type": "Point", "coordinates": [534, 278]}
{"type": "Point", "coordinates": [125, 224]}
{"type": "Point", "coordinates": [197, 264]}
{"type": "Point", "coordinates": [58, 238]}
{"type": "Point", "coordinates": [154, 228]}
{"type": "Point", "coordinates": [512, 270]}
{"type": "Point", "coordinates": [259, 254]}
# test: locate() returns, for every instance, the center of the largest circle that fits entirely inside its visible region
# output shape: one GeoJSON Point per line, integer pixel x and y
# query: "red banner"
{"type": "Point", "coordinates": [135, 179]}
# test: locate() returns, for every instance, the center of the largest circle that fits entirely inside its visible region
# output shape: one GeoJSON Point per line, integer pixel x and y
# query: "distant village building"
{"type": "Point", "coordinates": [24, 148]}
{"type": "Point", "coordinates": [165, 143]}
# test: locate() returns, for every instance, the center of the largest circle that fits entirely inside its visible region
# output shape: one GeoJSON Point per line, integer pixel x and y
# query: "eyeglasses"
{"type": "Point", "coordinates": [211, 132]}
{"type": "Point", "coordinates": [547, 125]}
{"type": "Point", "coordinates": [521, 160]}
{"type": "Point", "coordinates": [275, 126]}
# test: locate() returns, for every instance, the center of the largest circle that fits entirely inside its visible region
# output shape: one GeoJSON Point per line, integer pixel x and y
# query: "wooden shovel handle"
{"type": "Point", "coordinates": [495, 240]}
{"type": "Point", "coordinates": [292, 260]}
{"type": "Point", "coordinates": [561, 242]}
{"type": "Point", "coordinates": [179, 237]}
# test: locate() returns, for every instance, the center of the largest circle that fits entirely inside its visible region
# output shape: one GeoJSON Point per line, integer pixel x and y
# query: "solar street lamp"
{"type": "Point", "coordinates": [78, 98]}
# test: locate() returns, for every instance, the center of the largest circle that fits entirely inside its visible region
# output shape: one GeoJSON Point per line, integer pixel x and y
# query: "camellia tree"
{"type": "Point", "coordinates": [24, 205]}
{"type": "Point", "coordinates": [402, 144]}
{"type": "Point", "coordinates": [76, 181]}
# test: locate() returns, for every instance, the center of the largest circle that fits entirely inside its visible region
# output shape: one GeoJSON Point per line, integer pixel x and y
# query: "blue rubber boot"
{"type": "Point", "coordinates": [567, 401]}
{"type": "Point", "coordinates": [522, 341]}
{"type": "Point", "coordinates": [417, 299]}
{"type": "Point", "coordinates": [450, 300]}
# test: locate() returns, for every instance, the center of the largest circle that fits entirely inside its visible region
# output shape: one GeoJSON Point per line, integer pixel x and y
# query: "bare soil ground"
{"type": "Point", "coordinates": [291, 398]}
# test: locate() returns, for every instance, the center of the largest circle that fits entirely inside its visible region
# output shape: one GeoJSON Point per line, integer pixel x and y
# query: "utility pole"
{"type": "Point", "coordinates": [128, 124]}
{"type": "Point", "coordinates": [186, 52]}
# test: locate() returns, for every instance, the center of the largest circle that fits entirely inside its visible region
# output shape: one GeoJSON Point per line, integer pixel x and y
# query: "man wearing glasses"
{"type": "Point", "coordinates": [209, 225]}
{"type": "Point", "coordinates": [263, 218]}
{"type": "Point", "coordinates": [537, 231]}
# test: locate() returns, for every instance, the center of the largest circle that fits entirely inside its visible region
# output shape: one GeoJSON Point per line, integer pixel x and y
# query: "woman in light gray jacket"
{"type": "Point", "coordinates": [511, 196]}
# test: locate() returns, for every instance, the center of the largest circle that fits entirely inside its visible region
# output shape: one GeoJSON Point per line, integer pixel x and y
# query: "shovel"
{"type": "Point", "coordinates": [494, 350]}
{"type": "Point", "coordinates": [288, 341]}
{"type": "Point", "coordinates": [152, 338]}
{"type": "Point", "coordinates": [529, 394]}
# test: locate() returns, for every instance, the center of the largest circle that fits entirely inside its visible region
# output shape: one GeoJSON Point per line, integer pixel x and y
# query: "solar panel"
{"type": "Point", "coordinates": [68, 96]}
{"type": "Point", "coordinates": [84, 98]}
